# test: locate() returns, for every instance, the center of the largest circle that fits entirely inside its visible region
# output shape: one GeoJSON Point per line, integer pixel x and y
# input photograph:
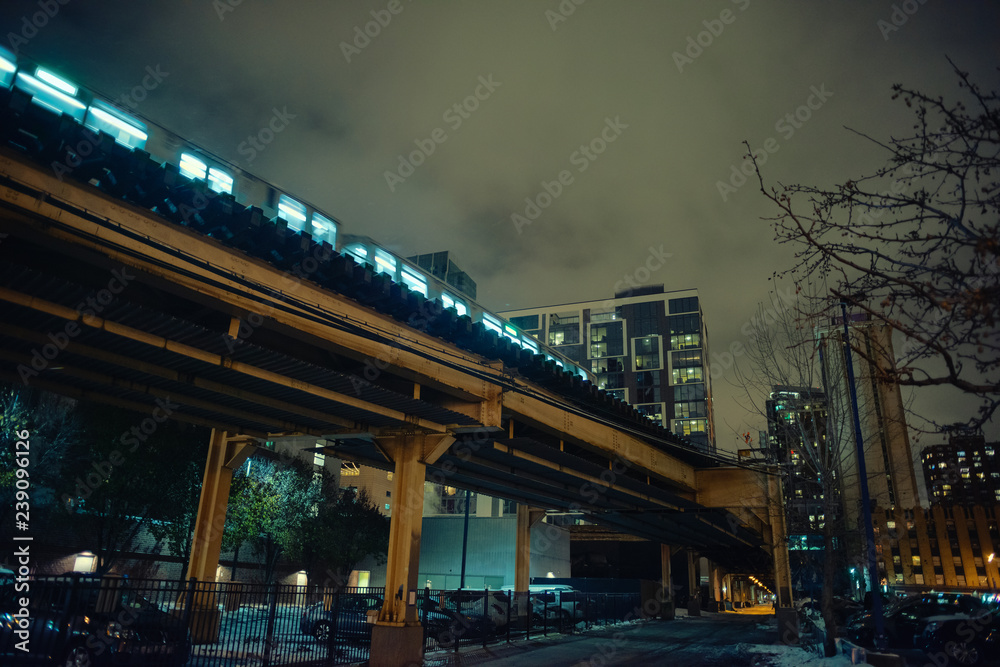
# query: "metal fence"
{"type": "Point", "coordinates": [125, 621]}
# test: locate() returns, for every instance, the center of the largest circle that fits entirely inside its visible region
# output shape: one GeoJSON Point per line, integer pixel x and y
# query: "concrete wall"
{"type": "Point", "coordinates": [491, 546]}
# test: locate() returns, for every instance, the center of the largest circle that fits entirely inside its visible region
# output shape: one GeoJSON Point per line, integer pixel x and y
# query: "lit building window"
{"type": "Point", "coordinates": [685, 341]}
{"type": "Point", "coordinates": [646, 352]}
{"type": "Point", "coordinates": [690, 426]}
{"type": "Point", "coordinates": [684, 375]}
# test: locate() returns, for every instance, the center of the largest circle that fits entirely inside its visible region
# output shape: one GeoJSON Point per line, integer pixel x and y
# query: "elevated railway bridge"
{"type": "Point", "coordinates": [114, 300]}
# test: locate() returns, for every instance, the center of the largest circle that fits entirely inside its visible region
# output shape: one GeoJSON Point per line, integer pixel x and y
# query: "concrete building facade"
{"type": "Point", "coordinates": [944, 547]}
{"type": "Point", "coordinates": [966, 470]}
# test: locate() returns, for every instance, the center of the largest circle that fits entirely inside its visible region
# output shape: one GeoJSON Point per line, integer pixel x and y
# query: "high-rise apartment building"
{"type": "Point", "coordinates": [646, 346]}
{"type": "Point", "coordinates": [796, 441]}
{"type": "Point", "coordinates": [966, 471]}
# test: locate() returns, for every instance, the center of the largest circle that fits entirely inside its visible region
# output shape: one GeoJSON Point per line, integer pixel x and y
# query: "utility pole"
{"type": "Point", "coordinates": [866, 505]}
{"type": "Point", "coordinates": [465, 538]}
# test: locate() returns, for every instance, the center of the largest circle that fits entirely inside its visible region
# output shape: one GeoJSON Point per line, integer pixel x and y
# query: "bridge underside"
{"type": "Point", "coordinates": [103, 301]}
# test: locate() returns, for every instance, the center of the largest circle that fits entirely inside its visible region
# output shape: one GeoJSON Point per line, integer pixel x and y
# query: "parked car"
{"type": "Point", "coordinates": [559, 602]}
{"type": "Point", "coordinates": [554, 603]}
{"type": "Point", "coordinates": [446, 621]}
{"type": "Point", "coordinates": [351, 622]}
{"type": "Point", "coordinates": [843, 608]}
{"type": "Point", "coordinates": [495, 604]}
{"type": "Point", "coordinates": [964, 639]}
{"type": "Point", "coordinates": [82, 621]}
{"type": "Point", "coordinates": [905, 619]}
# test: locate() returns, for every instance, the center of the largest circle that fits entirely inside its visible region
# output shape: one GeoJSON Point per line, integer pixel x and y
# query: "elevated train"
{"type": "Point", "coordinates": [83, 136]}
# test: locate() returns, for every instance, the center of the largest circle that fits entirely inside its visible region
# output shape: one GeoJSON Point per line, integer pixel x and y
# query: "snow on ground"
{"type": "Point", "coordinates": [781, 655]}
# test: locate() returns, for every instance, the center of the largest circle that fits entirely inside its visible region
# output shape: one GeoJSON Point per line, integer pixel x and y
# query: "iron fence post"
{"type": "Point", "coordinates": [269, 638]}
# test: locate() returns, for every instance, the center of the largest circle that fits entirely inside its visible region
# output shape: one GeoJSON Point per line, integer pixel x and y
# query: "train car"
{"type": "Point", "coordinates": [86, 137]}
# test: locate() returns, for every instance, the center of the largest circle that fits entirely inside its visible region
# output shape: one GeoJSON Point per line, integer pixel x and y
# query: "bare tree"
{"type": "Point", "coordinates": [916, 243]}
{"type": "Point", "coordinates": [781, 373]}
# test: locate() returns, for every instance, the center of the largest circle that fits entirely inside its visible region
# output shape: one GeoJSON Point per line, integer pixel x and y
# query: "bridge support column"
{"type": "Point", "coordinates": [666, 584]}
{"type": "Point", "coordinates": [779, 542]}
{"type": "Point", "coordinates": [714, 587]}
{"type": "Point", "coordinates": [694, 583]}
{"type": "Point", "coordinates": [526, 518]}
{"type": "Point", "coordinates": [397, 638]}
{"type": "Point", "coordinates": [225, 455]}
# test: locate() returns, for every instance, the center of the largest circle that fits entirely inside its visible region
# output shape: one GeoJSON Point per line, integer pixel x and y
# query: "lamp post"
{"type": "Point", "coordinates": [991, 575]}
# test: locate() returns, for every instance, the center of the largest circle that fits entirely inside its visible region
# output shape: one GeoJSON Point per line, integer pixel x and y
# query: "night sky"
{"type": "Point", "coordinates": [640, 107]}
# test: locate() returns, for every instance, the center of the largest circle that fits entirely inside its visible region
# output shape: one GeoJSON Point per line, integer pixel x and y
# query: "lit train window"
{"type": "Point", "coordinates": [529, 344]}
{"type": "Point", "coordinates": [558, 363]}
{"type": "Point", "coordinates": [56, 82]}
{"type": "Point", "coordinates": [192, 167]}
{"type": "Point", "coordinates": [52, 97]}
{"type": "Point", "coordinates": [220, 181]}
{"type": "Point", "coordinates": [293, 212]}
{"type": "Point", "coordinates": [8, 65]}
{"type": "Point", "coordinates": [511, 333]}
{"type": "Point", "coordinates": [385, 262]}
{"type": "Point", "coordinates": [413, 280]}
{"type": "Point", "coordinates": [451, 302]}
{"type": "Point", "coordinates": [492, 323]}
{"type": "Point", "coordinates": [324, 229]}
{"type": "Point", "coordinates": [125, 130]}
{"type": "Point", "coordinates": [358, 252]}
